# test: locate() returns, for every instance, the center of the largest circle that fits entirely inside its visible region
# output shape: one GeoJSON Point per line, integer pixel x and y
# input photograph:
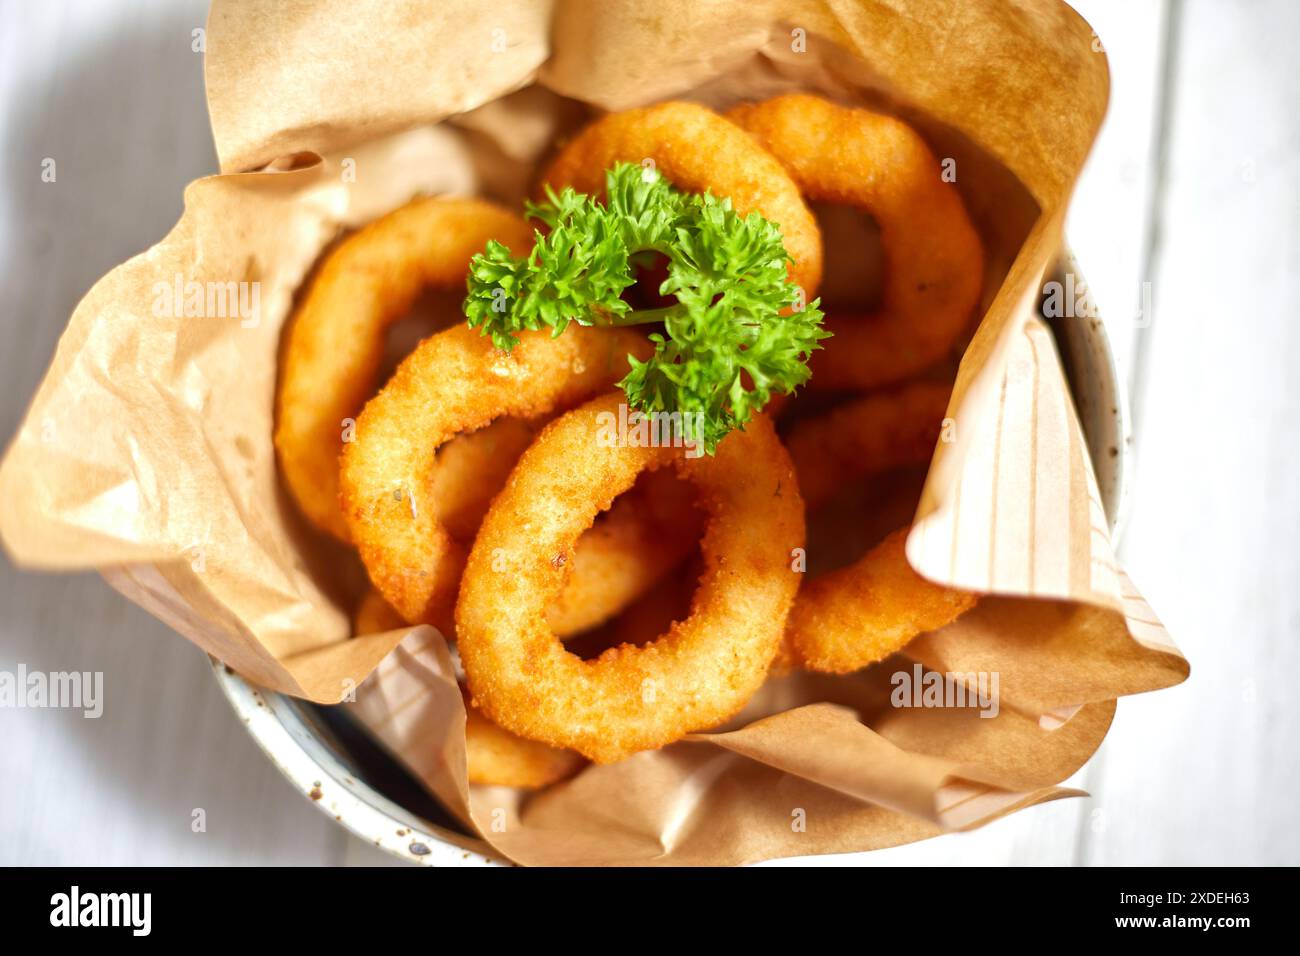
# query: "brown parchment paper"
{"type": "Point", "coordinates": [146, 452]}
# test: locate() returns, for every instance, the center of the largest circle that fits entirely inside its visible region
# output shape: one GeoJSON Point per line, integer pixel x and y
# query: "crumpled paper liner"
{"type": "Point", "coordinates": [147, 453]}
{"type": "Point", "coordinates": [833, 769]}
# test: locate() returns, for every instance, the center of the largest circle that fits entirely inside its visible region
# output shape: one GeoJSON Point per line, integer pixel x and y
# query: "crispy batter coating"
{"type": "Point", "coordinates": [496, 757]}
{"type": "Point", "coordinates": [704, 668]}
{"type": "Point", "coordinates": [857, 615]}
{"type": "Point", "coordinates": [493, 756]}
{"type": "Point", "coordinates": [335, 341]}
{"type": "Point", "coordinates": [875, 433]}
{"type": "Point", "coordinates": [860, 614]}
{"type": "Point", "coordinates": [454, 382]}
{"type": "Point", "coordinates": [697, 151]}
{"type": "Point", "coordinates": [934, 260]}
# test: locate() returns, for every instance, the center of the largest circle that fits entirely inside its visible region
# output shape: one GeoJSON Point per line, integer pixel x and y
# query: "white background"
{"type": "Point", "coordinates": [1192, 188]}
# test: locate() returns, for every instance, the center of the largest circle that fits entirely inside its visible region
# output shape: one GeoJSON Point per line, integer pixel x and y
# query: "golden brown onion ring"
{"type": "Point", "coordinates": [854, 616]}
{"type": "Point", "coordinates": [496, 757]}
{"type": "Point", "coordinates": [335, 342]}
{"type": "Point", "coordinates": [934, 260]}
{"type": "Point", "coordinates": [704, 668]}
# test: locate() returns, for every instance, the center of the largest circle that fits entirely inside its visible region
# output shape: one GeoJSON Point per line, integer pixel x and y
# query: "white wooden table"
{"type": "Point", "coordinates": [1193, 188]}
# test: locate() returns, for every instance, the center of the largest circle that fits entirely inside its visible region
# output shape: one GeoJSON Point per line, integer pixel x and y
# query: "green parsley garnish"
{"type": "Point", "coordinates": [726, 345]}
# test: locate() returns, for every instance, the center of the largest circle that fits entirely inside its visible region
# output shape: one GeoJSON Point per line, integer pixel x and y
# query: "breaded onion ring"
{"type": "Point", "coordinates": [335, 342]}
{"type": "Point", "coordinates": [857, 615]}
{"type": "Point", "coordinates": [854, 616]}
{"type": "Point", "coordinates": [454, 382]}
{"type": "Point", "coordinates": [493, 756]}
{"type": "Point", "coordinates": [496, 757]}
{"type": "Point", "coordinates": [704, 668]}
{"type": "Point", "coordinates": [697, 151]}
{"type": "Point", "coordinates": [934, 260]}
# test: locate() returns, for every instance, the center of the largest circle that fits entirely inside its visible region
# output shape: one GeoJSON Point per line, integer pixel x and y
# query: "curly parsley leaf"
{"type": "Point", "coordinates": [736, 333]}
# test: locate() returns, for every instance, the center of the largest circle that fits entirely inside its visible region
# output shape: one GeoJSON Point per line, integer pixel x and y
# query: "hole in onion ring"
{"type": "Point", "coordinates": [636, 576]}
{"type": "Point", "coordinates": [645, 620]}
{"type": "Point", "coordinates": [853, 275]}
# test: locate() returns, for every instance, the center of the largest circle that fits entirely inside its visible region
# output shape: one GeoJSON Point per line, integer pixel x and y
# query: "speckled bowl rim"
{"type": "Point", "coordinates": [276, 722]}
{"type": "Point", "coordinates": [297, 749]}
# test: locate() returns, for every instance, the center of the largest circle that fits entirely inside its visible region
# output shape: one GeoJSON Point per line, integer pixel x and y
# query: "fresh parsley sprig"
{"type": "Point", "coordinates": [735, 334]}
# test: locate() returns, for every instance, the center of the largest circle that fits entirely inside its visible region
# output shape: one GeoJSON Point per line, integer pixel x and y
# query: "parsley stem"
{"type": "Point", "coordinates": [643, 316]}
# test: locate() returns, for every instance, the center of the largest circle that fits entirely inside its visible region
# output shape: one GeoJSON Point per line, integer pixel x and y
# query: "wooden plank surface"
{"type": "Point", "coordinates": [1192, 187]}
{"type": "Point", "coordinates": [1206, 772]}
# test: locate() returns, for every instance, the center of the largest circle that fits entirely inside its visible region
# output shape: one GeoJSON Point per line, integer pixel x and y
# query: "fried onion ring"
{"type": "Point", "coordinates": [934, 260]}
{"type": "Point", "coordinates": [697, 151]}
{"type": "Point", "coordinates": [496, 757]}
{"type": "Point", "coordinates": [493, 757]}
{"type": "Point", "coordinates": [704, 668]}
{"type": "Point", "coordinates": [854, 616]}
{"type": "Point", "coordinates": [860, 614]}
{"type": "Point", "coordinates": [454, 382]}
{"type": "Point", "coordinates": [335, 342]}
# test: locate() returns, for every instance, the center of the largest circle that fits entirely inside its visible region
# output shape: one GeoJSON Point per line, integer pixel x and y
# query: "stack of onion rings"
{"type": "Point", "coordinates": [630, 698]}
{"type": "Point", "coordinates": [476, 509]}
{"type": "Point", "coordinates": [332, 355]}
{"type": "Point", "coordinates": [454, 382]}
